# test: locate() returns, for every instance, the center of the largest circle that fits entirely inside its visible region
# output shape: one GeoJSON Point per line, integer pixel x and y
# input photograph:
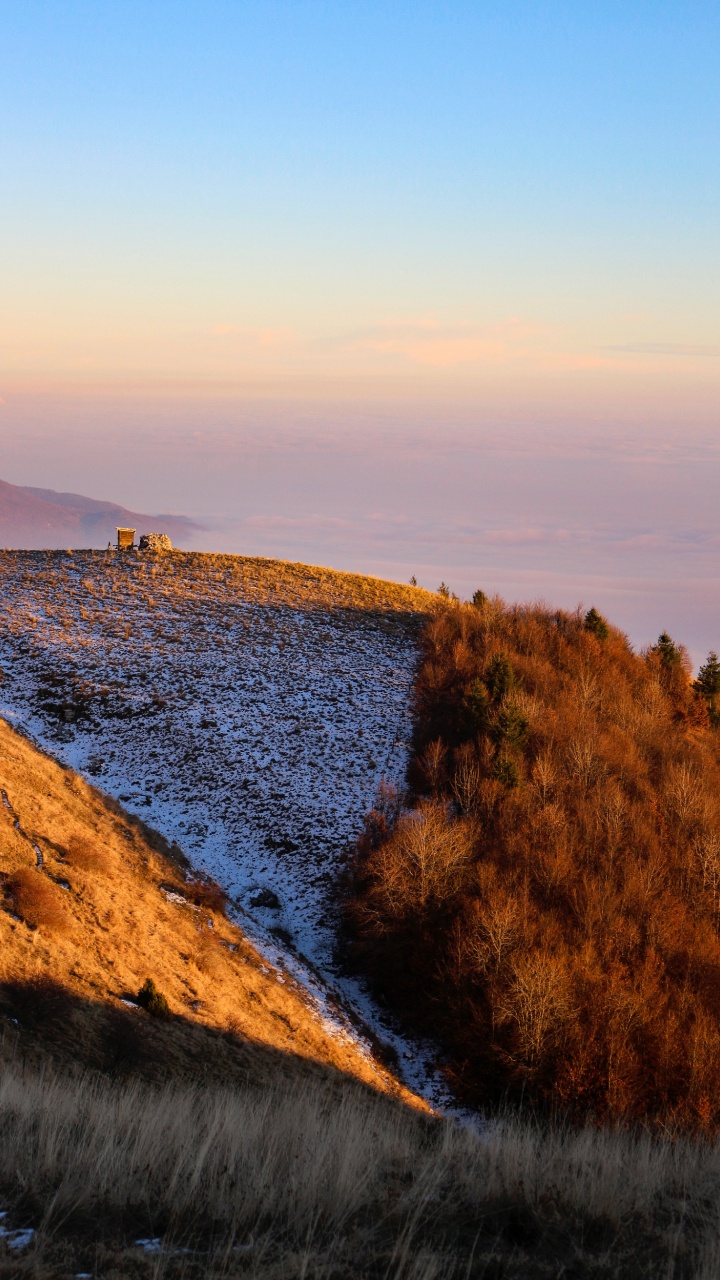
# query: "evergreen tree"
{"type": "Point", "coordinates": [668, 652]}
{"type": "Point", "coordinates": [479, 599]}
{"type": "Point", "coordinates": [499, 678]}
{"type": "Point", "coordinates": [148, 997]}
{"type": "Point", "coordinates": [708, 681]}
{"type": "Point", "coordinates": [595, 623]}
{"type": "Point", "coordinates": [476, 709]}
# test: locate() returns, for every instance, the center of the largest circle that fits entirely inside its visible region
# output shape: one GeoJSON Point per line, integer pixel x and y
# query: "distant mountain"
{"type": "Point", "coordinates": [42, 518]}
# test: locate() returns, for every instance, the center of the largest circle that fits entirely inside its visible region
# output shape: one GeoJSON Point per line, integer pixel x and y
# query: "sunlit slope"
{"type": "Point", "coordinates": [89, 902]}
{"type": "Point", "coordinates": [246, 708]}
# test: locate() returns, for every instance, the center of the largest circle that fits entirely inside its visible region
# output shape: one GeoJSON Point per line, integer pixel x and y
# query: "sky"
{"type": "Point", "coordinates": [422, 288]}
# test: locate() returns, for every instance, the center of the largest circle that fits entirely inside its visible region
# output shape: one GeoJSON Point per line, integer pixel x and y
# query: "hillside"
{"type": "Point", "coordinates": [246, 708]}
{"type": "Point", "coordinates": [549, 904]}
{"type": "Point", "coordinates": [92, 906]}
{"type": "Point", "coordinates": [251, 1132]}
{"type": "Point", "coordinates": [245, 1133]}
{"type": "Point", "coordinates": [31, 517]}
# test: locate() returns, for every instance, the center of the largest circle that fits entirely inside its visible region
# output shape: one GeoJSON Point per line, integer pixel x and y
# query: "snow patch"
{"type": "Point", "coordinates": [252, 733]}
{"type": "Point", "coordinates": [15, 1239]}
{"type": "Point", "coordinates": [150, 1244]}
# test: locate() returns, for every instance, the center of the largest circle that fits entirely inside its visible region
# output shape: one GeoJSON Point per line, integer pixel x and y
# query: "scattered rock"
{"type": "Point", "coordinates": [266, 898]}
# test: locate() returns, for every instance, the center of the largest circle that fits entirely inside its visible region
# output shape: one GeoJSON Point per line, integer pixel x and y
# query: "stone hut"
{"type": "Point", "coordinates": [155, 542]}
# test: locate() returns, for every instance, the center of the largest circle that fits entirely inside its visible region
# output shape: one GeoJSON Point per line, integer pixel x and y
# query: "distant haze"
{"type": "Point", "coordinates": [604, 512]}
{"type": "Point", "coordinates": [33, 518]}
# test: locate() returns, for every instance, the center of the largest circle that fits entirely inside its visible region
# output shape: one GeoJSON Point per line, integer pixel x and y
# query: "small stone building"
{"type": "Point", "coordinates": [155, 542]}
{"type": "Point", "coordinates": [125, 539]}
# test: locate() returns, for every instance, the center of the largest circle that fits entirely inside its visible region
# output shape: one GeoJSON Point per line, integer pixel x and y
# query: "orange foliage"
{"type": "Point", "coordinates": [549, 907]}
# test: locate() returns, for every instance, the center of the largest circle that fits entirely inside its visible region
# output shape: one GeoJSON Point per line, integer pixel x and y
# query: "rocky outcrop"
{"type": "Point", "coordinates": [155, 542]}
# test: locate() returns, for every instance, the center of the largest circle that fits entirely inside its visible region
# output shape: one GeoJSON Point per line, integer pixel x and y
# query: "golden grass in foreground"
{"type": "Point", "coordinates": [297, 1180]}
{"type": "Point", "coordinates": [95, 920]}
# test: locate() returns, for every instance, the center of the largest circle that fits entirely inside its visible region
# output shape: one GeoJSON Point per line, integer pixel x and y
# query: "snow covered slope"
{"type": "Point", "coordinates": [247, 709]}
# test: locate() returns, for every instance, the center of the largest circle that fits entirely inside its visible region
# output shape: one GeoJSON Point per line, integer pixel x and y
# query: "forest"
{"type": "Point", "coordinates": [545, 898]}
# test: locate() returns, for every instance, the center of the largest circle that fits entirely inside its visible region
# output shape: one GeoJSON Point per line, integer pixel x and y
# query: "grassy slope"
{"type": "Point", "coordinates": [279, 581]}
{"type": "Point", "coordinates": [247, 708]}
{"type": "Point", "coordinates": [115, 927]}
{"type": "Point", "coordinates": [210, 634]}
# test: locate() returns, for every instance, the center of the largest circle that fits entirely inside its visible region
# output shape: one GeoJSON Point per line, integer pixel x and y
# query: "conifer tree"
{"type": "Point", "coordinates": [668, 652]}
{"type": "Point", "coordinates": [499, 678]}
{"type": "Point", "coordinates": [595, 623]}
{"type": "Point", "coordinates": [708, 680]}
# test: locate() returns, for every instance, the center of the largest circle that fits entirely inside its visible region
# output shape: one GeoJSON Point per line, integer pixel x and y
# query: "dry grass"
{"type": "Point", "coordinates": [88, 854]}
{"type": "Point", "coordinates": [114, 926]}
{"type": "Point", "coordinates": [198, 580]}
{"type": "Point", "coordinates": [37, 901]}
{"type": "Point", "coordinates": [313, 1180]}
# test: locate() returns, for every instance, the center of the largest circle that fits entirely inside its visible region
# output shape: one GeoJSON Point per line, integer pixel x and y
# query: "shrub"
{"type": "Point", "coordinates": [87, 854]}
{"type": "Point", "coordinates": [37, 900]}
{"type": "Point", "coordinates": [205, 893]}
{"type": "Point", "coordinates": [149, 998]}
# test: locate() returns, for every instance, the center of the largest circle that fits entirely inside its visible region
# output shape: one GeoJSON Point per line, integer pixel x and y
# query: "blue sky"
{"type": "Point", "coordinates": [315, 168]}
{"type": "Point", "coordinates": [258, 242]}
